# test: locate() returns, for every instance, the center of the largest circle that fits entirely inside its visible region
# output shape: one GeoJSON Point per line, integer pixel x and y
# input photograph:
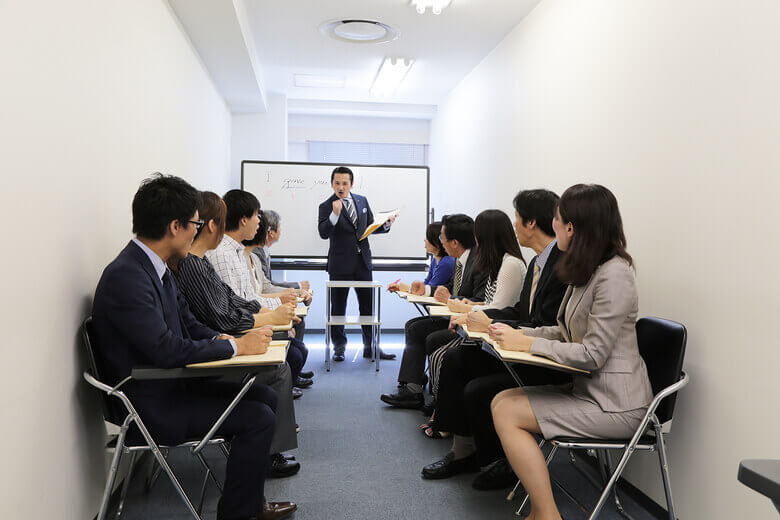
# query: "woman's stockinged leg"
{"type": "Point", "coordinates": [515, 423]}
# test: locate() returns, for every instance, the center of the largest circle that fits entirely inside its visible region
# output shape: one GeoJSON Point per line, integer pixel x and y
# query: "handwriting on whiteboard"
{"type": "Point", "coordinates": [293, 183]}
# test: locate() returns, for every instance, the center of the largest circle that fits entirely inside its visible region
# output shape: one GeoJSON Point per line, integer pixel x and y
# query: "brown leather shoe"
{"type": "Point", "coordinates": [277, 510]}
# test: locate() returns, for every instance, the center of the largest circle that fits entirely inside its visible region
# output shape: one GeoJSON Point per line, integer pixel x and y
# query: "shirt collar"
{"type": "Point", "coordinates": [464, 257]}
{"type": "Point", "coordinates": [232, 243]}
{"type": "Point", "coordinates": [544, 255]}
{"type": "Point", "coordinates": [157, 263]}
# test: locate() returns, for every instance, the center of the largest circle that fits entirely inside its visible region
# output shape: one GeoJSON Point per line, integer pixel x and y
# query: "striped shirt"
{"type": "Point", "coordinates": [211, 300]}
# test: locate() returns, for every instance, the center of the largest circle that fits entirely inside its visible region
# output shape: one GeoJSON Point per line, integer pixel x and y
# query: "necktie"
{"type": "Point", "coordinates": [534, 283]}
{"type": "Point", "coordinates": [458, 277]}
{"type": "Point", "coordinates": [351, 212]}
{"type": "Point", "coordinates": [171, 305]}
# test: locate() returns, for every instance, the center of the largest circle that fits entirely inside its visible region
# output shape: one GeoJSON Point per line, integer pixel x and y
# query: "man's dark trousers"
{"type": "Point", "coordinates": [423, 336]}
{"type": "Point", "coordinates": [338, 305]}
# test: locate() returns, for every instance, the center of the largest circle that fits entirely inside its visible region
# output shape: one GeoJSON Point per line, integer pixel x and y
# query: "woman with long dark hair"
{"type": "Point", "coordinates": [595, 332]}
{"type": "Point", "coordinates": [498, 255]}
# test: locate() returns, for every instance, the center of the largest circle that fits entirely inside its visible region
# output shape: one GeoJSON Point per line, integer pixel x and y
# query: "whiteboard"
{"type": "Point", "coordinates": [296, 190]}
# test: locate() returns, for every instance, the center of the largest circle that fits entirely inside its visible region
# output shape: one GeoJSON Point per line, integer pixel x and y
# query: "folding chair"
{"type": "Point", "coordinates": [124, 416]}
{"type": "Point", "coordinates": [662, 346]}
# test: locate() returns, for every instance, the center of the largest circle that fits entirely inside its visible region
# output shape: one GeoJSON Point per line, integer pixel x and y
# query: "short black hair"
{"type": "Point", "coordinates": [459, 227]}
{"type": "Point", "coordinates": [160, 200]}
{"type": "Point", "coordinates": [539, 206]}
{"type": "Point", "coordinates": [432, 233]}
{"type": "Point", "coordinates": [262, 231]}
{"type": "Point", "coordinates": [240, 204]}
{"type": "Point", "coordinates": [342, 169]}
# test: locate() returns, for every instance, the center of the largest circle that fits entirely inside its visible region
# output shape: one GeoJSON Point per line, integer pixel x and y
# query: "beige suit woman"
{"type": "Point", "coordinates": [595, 332]}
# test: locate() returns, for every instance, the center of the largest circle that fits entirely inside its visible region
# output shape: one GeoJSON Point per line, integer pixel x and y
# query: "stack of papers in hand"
{"type": "Point", "coordinates": [379, 221]}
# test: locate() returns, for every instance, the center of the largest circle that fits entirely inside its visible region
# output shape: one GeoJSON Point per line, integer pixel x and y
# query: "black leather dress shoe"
{"type": "Point", "coordinates": [449, 467]}
{"type": "Point", "coordinates": [302, 383]}
{"type": "Point", "coordinates": [307, 375]}
{"type": "Point", "coordinates": [403, 398]}
{"type": "Point", "coordinates": [497, 475]}
{"type": "Point", "coordinates": [296, 393]}
{"type": "Point", "coordinates": [281, 467]}
{"type": "Point", "coordinates": [338, 356]}
{"type": "Point", "coordinates": [382, 354]}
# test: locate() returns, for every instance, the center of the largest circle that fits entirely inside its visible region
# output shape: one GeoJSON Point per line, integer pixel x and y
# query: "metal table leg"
{"type": "Point", "coordinates": [327, 331]}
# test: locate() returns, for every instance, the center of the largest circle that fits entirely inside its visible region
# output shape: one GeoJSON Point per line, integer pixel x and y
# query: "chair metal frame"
{"type": "Point", "coordinates": [603, 447]}
{"type": "Point", "coordinates": [151, 445]}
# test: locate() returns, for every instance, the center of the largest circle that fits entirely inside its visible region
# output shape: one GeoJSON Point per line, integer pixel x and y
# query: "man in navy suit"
{"type": "Point", "coordinates": [139, 318]}
{"type": "Point", "coordinates": [343, 218]}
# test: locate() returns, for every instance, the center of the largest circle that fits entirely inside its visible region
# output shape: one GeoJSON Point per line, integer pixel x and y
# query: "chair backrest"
{"type": "Point", "coordinates": [110, 406]}
{"type": "Point", "coordinates": [662, 346]}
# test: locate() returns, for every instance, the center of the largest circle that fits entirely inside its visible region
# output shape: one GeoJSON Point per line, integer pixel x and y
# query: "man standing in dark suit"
{"type": "Point", "coordinates": [343, 219]}
{"type": "Point", "coordinates": [140, 318]}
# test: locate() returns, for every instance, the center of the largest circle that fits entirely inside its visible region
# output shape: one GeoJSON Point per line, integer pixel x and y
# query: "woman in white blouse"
{"type": "Point", "coordinates": [498, 255]}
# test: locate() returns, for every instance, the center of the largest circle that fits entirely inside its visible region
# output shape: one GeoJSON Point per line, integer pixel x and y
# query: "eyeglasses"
{"type": "Point", "coordinates": [442, 238]}
{"type": "Point", "coordinates": [198, 224]}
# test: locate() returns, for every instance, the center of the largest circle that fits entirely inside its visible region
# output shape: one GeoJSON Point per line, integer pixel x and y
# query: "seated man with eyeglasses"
{"type": "Point", "coordinates": [140, 319]}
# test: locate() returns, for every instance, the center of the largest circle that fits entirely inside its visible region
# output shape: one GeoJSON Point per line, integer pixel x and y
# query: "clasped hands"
{"type": "Point", "coordinates": [475, 321]}
{"type": "Point", "coordinates": [255, 341]}
{"type": "Point", "coordinates": [509, 338]}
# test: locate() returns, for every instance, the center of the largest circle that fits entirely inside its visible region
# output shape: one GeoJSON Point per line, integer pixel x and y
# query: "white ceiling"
{"type": "Point", "coordinates": [446, 47]}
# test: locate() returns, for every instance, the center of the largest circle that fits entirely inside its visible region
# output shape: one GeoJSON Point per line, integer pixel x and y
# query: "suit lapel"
{"type": "Point", "coordinates": [138, 254]}
{"type": "Point", "coordinates": [562, 314]}
{"type": "Point", "coordinates": [577, 295]}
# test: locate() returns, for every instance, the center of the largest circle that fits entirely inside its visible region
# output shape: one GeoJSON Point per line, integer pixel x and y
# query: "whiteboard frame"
{"type": "Point", "coordinates": [427, 196]}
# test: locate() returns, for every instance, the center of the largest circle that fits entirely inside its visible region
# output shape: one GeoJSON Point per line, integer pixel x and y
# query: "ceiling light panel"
{"type": "Point", "coordinates": [391, 73]}
{"type": "Point", "coordinates": [436, 6]}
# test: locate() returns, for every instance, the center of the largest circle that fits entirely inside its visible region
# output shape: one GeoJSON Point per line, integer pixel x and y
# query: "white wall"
{"type": "Point", "coordinates": [259, 136]}
{"type": "Point", "coordinates": [674, 106]}
{"type": "Point", "coordinates": [358, 129]}
{"type": "Point", "coordinates": [95, 96]}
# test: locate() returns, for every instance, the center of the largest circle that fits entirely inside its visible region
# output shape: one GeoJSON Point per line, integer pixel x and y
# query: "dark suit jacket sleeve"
{"type": "Point", "coordinates": [133, 308]}
{"type": "Point", "coordinates": [324, 225]}
{"type": "Point", "coordinates": [547, 314]}
{"type": "Point", "coordinates": [478, 292]}
{"type": "Point", "coordinates": [519, 311]}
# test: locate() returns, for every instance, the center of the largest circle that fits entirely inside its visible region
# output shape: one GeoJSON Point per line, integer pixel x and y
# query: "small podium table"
{"type": "Point", "coordinates": [372, 321]}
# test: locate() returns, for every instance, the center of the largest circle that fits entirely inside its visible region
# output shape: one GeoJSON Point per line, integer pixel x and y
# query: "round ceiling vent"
{"type": "Point", "coordinates": [359, 31]}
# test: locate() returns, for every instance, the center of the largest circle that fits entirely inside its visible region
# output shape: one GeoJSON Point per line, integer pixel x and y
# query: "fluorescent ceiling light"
{"type": "Point", "coordinates": [391, 73]}
{"type": "Point", "coordinates": [435, 5]}
{"type": "Point", "coordinates": [311, 80]}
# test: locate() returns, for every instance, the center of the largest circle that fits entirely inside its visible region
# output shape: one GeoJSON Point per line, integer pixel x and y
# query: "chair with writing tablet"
{"type": "Point", "coordinates": [119, 411]}
{"type": "Point", "coordinates": [662, 346]}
